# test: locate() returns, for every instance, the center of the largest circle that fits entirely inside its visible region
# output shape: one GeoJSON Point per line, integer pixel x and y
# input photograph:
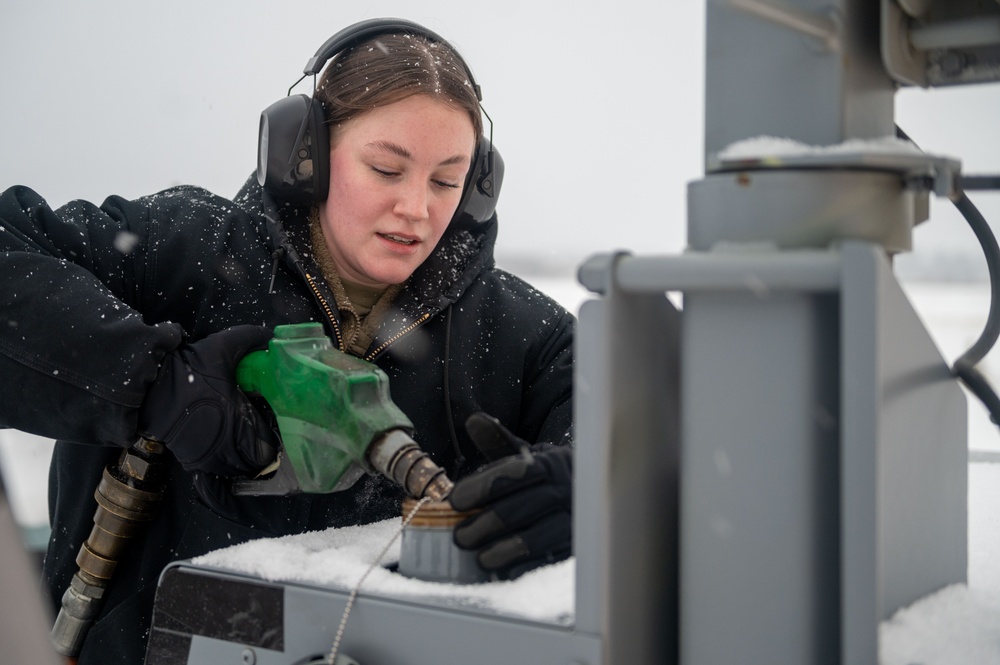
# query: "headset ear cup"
{"type": "Point", "coordinates": [490, 175]}
{"type": "Point", "coordinates": [293, 150]}
{"type": "Point", "coordinates": [320, 133]}
{"type": "Point", "coordinates": [482, 186]}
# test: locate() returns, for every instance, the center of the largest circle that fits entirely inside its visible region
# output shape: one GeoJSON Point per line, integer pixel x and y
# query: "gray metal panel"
{"type": "Point", "coordinates": [627, 405]}
{"type": "Point", "coordinates": [644, 479]}
{"type": "Point", "coordinates": [387, 631]}
{"type": "Point", "coordinates": [384, 630]}
{"type": "Point", "coordinates": [798, 209]}
{"type": "Point", "coordinates": [759, 520]}
{"type": "Point", "coordinates": [592, 433]}
{"type": "Point", "coordinates": [765, 79]}
{"type": "Point", "coordinates": [904, 456]}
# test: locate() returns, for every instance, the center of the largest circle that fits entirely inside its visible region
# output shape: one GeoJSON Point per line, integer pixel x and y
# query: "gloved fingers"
{"type": "Point", "coordinates": [262, 441]}
{"type": "Point", "coordinates": [496, 480]}
{"type": "Point", "coordinates": [492, 439]}
{"type": "Point", "coordinates": [526, 516]}
{"type": "Point", "coordinates": [509, 515]}
{"type": "Point", "coordinates": [256, 457]}
{"type": "Point", "coordinates": [546, 541]}
{"type": "Point", "coordinates": [523, 566]}
{"type": "Point", "coordinates": [479, 530]}
{"type": "Point", "coordinates": [201, 421]}
{"type": "Point", "coordinates": [218, 354]}
{"type": "Point", "coordinates": [197, 410]}
{"type": "Point", "coordinates": [214, 492]}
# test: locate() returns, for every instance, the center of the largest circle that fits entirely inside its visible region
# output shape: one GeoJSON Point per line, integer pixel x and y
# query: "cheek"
{"type": "Point", "coordinates": [444, 209]}
{"type": "Point", "coordinates": [440, 218]}
{"type": "Point", "coordinates": [342, 178]}
{"type": "Point", "coordinates": [352, 200]}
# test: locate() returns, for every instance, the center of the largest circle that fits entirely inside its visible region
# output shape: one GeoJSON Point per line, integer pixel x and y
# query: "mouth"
{"type": "Point", "coordinates": [397, 239]}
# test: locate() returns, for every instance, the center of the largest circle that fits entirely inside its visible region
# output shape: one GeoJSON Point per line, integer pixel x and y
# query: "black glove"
{"type": "Point", "coordinates": [526, 501]}
{"type": "Point", "coordinates": [196, 410]}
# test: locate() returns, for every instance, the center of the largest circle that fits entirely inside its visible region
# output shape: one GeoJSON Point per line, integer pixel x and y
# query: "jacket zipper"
{"type": "Point", "coordinates": [336, 327]}
{"type": "Point", "coordinates": [329, 312]}
{"type": "Point", "coordinates": [381, 347]}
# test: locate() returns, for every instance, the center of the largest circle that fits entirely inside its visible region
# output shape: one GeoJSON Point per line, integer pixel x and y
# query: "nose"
{"type": "Point", "coordinates": [412, 201]}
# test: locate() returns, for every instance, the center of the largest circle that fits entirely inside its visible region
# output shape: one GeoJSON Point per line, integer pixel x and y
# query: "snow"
{"type": "Point", "coordinates": [340, 557]}
{"type": "Point", "coordinates": [773, 146]}
{"type": "Point", "coordinates": [958, 624]}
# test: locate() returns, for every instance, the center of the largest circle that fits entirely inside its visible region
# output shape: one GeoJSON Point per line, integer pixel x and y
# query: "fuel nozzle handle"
{"type": "Point", "coordinates": [335, 417]}
{"type": "Point", "coordinates": [397, 456]}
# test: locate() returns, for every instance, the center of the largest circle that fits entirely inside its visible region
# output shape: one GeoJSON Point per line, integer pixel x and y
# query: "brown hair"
{"type": "Point", "coordinates": [389, 68]}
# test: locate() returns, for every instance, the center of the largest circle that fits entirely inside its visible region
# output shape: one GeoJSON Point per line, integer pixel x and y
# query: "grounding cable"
{"type": "Point", "coordinates": [965, 368]}
{"type": "Point", "coordinates": [331, 659]}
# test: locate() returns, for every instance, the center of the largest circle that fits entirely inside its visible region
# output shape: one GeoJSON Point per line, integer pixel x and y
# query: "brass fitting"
{"type": "Point", "coordinates": [398, 457]}
{"type": "Point", "coordinates": [127, 497]}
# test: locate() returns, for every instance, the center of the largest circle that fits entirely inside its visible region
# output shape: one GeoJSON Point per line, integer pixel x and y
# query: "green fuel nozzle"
{"type": "Point", "coordinates": [335, 418]}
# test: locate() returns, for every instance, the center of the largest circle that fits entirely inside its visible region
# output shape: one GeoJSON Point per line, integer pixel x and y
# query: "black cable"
{"type": "Point", "coordinates": [965, 367]}
{"type": "Point", "coordinates": [992, 253]}
{"type": "Point", "coordinates": [979, 182]}
{"type": "Point", "coordinates": [459, 457]}
{"type": "Point", "coordinates": [980, 387]}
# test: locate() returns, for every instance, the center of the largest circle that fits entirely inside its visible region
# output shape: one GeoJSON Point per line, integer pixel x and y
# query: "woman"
{"type": "Point", "coordinates": [129, 319]}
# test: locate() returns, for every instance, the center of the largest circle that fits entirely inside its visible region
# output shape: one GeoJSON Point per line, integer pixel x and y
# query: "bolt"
{"type": "Point", "coordinates": [249, 657]}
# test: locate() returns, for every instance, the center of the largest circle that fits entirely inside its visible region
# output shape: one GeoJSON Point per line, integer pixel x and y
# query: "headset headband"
{"type": "Point", "coordinates": [293, 147]}
{"type": "Point", "coordinates": [353, 35]}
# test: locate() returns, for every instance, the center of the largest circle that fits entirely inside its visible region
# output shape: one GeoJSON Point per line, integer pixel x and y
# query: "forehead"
{"type": "Point", "coordinates": [417, 116]}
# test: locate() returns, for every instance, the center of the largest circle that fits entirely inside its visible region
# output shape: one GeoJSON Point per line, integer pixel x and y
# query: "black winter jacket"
{"type": "Point", "coordinates": [95, 296]}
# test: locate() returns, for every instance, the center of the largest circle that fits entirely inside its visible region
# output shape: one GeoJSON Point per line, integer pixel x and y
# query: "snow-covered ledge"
{"type": "Point", "coordinates": [339, 558]}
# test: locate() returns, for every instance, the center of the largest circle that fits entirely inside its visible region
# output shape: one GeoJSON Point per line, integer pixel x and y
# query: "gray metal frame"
{"type": "Point", "coordinates": [384, 629]}
{"type": "Point", "coordinates": [627, 482]}
{"type": "Point", "coordinates": [823, 449]}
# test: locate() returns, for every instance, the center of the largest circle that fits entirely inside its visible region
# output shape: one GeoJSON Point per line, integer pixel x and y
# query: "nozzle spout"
{"type": "Point", "coordinates": [398, 456]}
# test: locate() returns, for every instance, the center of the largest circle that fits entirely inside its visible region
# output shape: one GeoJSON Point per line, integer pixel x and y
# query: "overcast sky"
{"type": "Point", "coordinates": [597, 111]}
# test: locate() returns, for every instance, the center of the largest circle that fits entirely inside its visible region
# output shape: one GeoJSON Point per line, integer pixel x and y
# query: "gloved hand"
{"type": "Point", "coordinates": [526, 502]}
{"type": "Point", "coordinates": [196, 410]}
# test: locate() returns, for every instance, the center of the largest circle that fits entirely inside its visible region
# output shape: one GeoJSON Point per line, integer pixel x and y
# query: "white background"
{"type": "Point", "coordinates": [597, 107]}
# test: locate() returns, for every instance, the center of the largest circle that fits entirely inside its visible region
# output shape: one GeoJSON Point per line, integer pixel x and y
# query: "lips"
{"type": "Point", "coordinates": [398, 239]}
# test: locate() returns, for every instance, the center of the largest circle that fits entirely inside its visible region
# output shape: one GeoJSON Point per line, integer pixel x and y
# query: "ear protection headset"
{"type": "Point", "coordinates": [293, 151]}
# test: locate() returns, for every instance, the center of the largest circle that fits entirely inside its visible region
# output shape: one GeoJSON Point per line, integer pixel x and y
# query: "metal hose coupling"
{"type": "Point", "coordinates": [396, 455]}
{"type": "Point", "coordinates": [127, 497]}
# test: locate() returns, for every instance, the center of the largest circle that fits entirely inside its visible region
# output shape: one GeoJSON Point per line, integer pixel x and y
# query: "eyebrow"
{"type": "Point", "coordinates": [396, 149]}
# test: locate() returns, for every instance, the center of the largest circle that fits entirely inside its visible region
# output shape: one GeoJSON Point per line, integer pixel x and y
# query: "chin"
{"type": "Point", "coordinates": [389, 278]}
{"type": "Point", "coordinates": [395, 273]}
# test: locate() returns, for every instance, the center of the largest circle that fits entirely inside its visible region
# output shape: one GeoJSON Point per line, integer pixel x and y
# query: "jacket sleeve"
{"type": "Point", "coordinates": [75, 352]}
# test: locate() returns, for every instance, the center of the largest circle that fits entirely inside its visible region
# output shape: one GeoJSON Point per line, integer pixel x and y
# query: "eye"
{"type": "Point", "coordinates": [446, 184]}
{"type": "Point", "coordinates": [385, 173]}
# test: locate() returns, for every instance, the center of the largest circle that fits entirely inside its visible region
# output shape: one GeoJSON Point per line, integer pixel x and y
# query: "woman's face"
{"type": "Point", "coordinates": [396, 176]}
